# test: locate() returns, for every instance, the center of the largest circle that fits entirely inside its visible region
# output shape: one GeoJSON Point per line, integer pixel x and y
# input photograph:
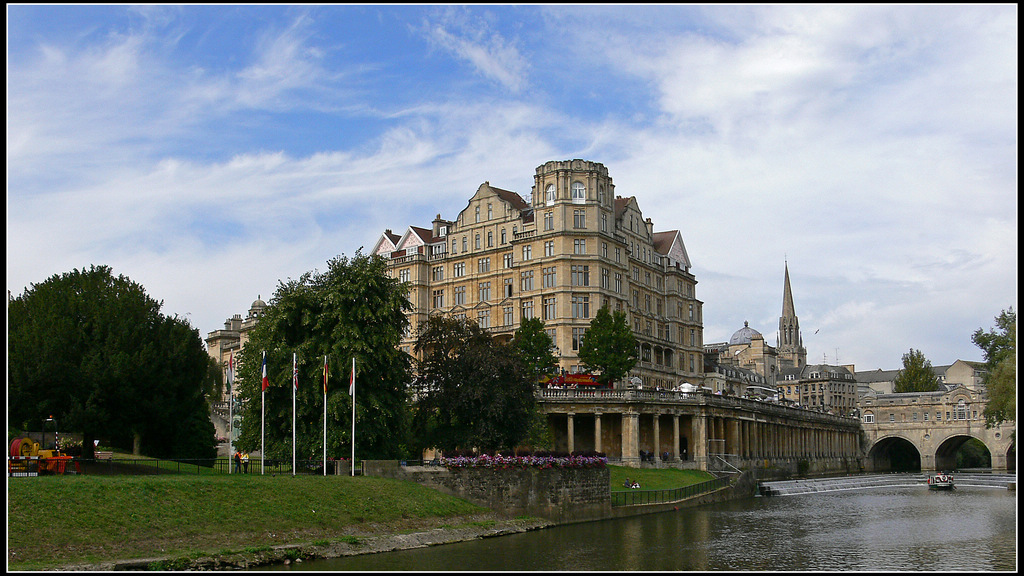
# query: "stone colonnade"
{"type": "Point", "coordinates": [699, 436]}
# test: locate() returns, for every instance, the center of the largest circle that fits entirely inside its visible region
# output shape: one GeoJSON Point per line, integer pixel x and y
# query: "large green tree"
{"type": "Point", "coordinates": [916, 375]}
{"type": "Point", "coordinates": [535, 348]}
{"type": "Point", "coordinates": [609, 346]}
{"type": "Point", "coordinates": [471, 391]}
{"type": "Point", "coordinates": [351, 310]}
{"type": "Point", "coordinates": [1000, 347]}
{"type": "Point", "coordinates": [94, 351]}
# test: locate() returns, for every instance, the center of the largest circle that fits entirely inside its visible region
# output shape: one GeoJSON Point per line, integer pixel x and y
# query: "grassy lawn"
{"type": "Point", "coordinates": [59, 520]}
{"type": "Point", "coordinates": [655, 479]}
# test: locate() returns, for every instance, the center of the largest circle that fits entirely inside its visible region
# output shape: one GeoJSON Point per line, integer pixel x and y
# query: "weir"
{"type": "Point", "coordinates": [834, 484]}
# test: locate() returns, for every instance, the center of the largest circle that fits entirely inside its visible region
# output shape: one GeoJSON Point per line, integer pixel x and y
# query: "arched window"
{"type": "Point", "coordinates": [549, 194]}
{"type": "Point", "coordinates": [579, 193]}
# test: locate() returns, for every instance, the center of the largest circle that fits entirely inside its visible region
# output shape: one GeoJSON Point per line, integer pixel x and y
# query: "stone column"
{"type": "Point", "coordinates": [571, 431]}
{"type": "Point", "coordinates": [699, 441]}
{"type": "Point", "coordinates": [675, 437]}
{"type": "Point", "coordinates": [732, 436]}
{"type": "Point", "coordinates": [630, 439]}
{"type": "Point", "coordinates": [597, 432]}
{"type": "Point", "coordinates": [657, 435]}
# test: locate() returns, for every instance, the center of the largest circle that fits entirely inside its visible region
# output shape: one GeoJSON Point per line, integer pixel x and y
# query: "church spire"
{"type": "Point", "coordinates": [791, 344]}
{"type": "Point", "coordinates": [787, 298]}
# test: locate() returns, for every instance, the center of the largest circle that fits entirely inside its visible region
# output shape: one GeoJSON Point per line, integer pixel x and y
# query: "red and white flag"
{"type": "Point", "coordinates": [352, 380]}
{"type": "Point", "coordinates": [295, 372]}
{"type": "Point", "coordinates": [266, 382]}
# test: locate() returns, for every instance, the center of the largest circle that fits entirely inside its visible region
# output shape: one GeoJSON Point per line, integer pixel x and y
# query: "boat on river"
{"type": "Point", "coordinates": [940, 481]}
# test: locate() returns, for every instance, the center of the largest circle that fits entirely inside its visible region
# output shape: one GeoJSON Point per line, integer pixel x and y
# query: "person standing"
{"type": "Point", "coordinates": [245, 462]}
{"type": "Point", "coordinates": [238, 461]}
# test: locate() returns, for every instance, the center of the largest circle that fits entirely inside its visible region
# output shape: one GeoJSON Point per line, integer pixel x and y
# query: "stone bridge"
{"type": "Point", "coordinates": [699, 430]}
{"type": "Point", "coordinates": [935, 425]}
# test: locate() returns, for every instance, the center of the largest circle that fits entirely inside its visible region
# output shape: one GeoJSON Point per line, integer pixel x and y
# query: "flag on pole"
{"type": "Point", "coordinates": [266, 382]}
{"type": "Point", "coordinates": [295, 372]}
{"type": "Point", "coordinates": [325, 374]}
{"type": "Point", "coordinates": [352, 380]}
{"type": "Point", "coordinates": [231, 371]}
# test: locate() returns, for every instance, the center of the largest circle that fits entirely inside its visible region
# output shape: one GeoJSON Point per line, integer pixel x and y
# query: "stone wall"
{"type": "Point", "coordinates": [558, 494]}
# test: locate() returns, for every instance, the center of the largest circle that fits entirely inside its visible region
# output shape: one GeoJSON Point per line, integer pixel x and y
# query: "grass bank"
{"type": "Point", "coordinates": [60, 520]}
{"type": "Point", "coordinates": [655, 478]}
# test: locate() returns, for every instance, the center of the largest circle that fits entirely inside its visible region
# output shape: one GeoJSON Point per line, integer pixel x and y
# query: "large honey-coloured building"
{"type": "Point", "coordinates": [573, 247]}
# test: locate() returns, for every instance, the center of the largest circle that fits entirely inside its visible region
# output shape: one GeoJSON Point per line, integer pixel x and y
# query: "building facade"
{"type": "Point", "coordinates": [819, 387]}
{"type": "Point", "coordinates": [221, 344]}
{"type": "Point", "coordinates": [964, 373]}
{"type": "Point", "coordinates": [572, 248]}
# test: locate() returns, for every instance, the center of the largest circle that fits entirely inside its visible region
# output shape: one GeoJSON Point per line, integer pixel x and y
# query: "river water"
{"type": "Point", "coordinates": [874, 529]}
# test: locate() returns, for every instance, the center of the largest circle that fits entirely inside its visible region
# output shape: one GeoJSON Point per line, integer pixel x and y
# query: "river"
{"type": "Point", "coordinates": [873, 529]}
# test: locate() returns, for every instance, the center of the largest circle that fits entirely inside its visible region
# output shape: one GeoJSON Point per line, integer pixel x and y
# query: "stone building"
{"type": "Point", "coordinates": [220, 344]}
{"type": "Point", "coordinates": [745, 350]}
{"type": "Point", "coordinates": [820, 387]}
{"type": "Point", "coordinates": [960, 373]}
{"type": "Point", "coordinates": [573, 247]}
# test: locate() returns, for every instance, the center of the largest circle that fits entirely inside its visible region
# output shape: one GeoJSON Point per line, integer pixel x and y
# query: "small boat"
{"type": "Point", "coordinates": [940, 481]}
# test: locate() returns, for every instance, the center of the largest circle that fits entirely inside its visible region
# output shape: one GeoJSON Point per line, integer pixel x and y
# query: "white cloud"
{"type": "Point", "coordinates": [472, 40]}
{"type": "Point", "coordinates": [875, 148]}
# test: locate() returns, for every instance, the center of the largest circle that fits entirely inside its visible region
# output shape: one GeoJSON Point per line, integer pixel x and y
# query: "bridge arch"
{"type": "Point", "coordinates": [893, 453]}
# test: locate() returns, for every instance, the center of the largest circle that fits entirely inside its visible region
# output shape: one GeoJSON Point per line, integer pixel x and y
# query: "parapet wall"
{"type": "Point", "coordinates": [558, 494]}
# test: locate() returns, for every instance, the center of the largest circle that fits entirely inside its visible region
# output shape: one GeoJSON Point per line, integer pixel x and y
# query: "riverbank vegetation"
{"type": "Point", "coordinates": [61, 520]}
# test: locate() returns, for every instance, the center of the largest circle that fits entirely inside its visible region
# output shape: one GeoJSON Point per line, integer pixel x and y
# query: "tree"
{"type": "Point", "coordinates": [352, 310]}
{"type": "Point", "coordinates": [1000, 347]}
{"type": "Point", "coordinates": [472, 391]}
{"type": "Point", "coordinates": [93, 351]}
{"type": "Point", "coordinates": [534, 347]}
{"type": "Point", "coordinates": [916, 375]}
{"type": "Point", "coordinates": [609, 346]}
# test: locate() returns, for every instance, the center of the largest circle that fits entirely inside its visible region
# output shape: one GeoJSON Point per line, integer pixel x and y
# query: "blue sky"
{"type": "Point", "coordinates": [208, 152]}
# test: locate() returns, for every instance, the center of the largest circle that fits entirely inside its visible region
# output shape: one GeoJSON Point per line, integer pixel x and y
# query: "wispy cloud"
{"type": "Point", "coordinates": [471, 39]}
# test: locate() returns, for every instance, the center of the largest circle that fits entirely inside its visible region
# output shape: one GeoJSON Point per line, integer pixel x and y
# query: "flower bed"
{"type": "Point", "coordinates": [508, 462]}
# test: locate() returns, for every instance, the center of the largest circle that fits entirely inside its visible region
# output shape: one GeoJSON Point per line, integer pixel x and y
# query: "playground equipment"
{"type": "Point", "coordinates": [28, 458]}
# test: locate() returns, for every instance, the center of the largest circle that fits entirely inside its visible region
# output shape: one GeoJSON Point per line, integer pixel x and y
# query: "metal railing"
{"type": "Point", "coordinates": [638, 497]}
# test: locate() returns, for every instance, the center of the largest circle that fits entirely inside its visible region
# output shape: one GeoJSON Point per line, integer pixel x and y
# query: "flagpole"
{"type": "Point", "coordinates": [353, 391]}
{"type": "Point", "coordinates": [295, 386]}
{"type": "Point", "coordinates": [231, 407]}
{"type": "Point", "coordinates": [325, 415]}
{"type": "Point", "coordinates": [263, 418]}
{"type": "Point", "coordinates": [263, 415]}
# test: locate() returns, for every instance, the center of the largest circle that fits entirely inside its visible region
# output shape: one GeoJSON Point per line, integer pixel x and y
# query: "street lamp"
{"type": "Point", "coordinates": [43, 434]}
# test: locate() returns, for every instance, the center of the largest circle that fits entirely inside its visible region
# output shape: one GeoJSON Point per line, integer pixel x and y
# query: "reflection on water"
{"type": "Point", "coordinates": [903, 528]}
